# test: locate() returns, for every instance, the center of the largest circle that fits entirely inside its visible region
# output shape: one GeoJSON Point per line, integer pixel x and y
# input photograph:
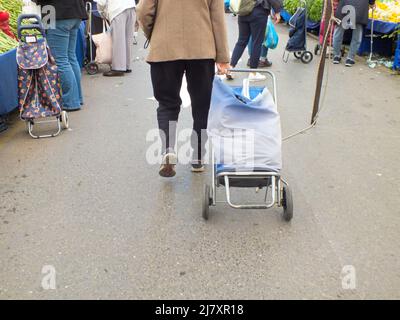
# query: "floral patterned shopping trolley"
{"type": "Point", "coordinates": [39, 87]}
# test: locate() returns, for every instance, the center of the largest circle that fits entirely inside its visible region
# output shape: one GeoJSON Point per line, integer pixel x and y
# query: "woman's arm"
{"type": "Point", "coordinates": [217, 13]}
{"type": "Point", "coordinates": [277, 5]}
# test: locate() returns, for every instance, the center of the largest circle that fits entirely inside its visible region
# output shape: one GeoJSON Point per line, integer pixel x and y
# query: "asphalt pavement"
{"type": "Point", "coordinates": [88, 205]}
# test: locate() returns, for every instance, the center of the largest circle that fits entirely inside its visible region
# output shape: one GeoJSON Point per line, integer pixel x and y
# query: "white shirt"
{"type": "Point", "coordinates": [114, 8]}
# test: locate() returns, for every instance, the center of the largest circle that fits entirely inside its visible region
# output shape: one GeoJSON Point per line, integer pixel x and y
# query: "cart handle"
{"type": "Point", "coordinates": [270, 73]}
{"type": "Point", "coordinates": [35, 25]}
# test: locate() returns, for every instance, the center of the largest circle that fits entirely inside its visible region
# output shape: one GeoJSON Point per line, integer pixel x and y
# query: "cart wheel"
{"type": "Point", "coordinates": [92, 68]}
{"type": "Point", "coordinates": [307, 57]}
{"type": "Point", "coordinates": [298, 54]}
{"type": "Point", "coordinates": [287, 203]}
{"type": "Point", "coordinates": [206, 203]}
{"type": "Point", "coordinates": [317, 49]}
{"type": "Point", "coordinates": [65, 119]}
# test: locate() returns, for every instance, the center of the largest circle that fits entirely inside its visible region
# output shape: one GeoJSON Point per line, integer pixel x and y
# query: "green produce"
{"type": "Point", "coordinates": [291, 5]}
{"type": "Point", "coordinates": [315, 13]}
{"type": "Point", "coordinates": [14, 8]}
{"type": "Point", "coordinates": [6, 43]}
{"type": "Point", "coordinates": [314, 8]}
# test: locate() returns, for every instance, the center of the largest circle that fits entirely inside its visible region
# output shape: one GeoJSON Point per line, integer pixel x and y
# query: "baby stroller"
{"type": "Point", "coordinates": [39, 88]}
{"type": "Point", "coordinates": [245, 134]}
{"type": "Point", "coordinates": [298, 36]}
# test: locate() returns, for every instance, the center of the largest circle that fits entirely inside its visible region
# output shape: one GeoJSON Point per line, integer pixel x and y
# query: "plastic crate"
{"type": "Point", "coordinates": [396, 64]}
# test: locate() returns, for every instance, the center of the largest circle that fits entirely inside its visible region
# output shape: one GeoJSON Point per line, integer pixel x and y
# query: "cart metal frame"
{"type": "Point", "coordinates": [280, 191]}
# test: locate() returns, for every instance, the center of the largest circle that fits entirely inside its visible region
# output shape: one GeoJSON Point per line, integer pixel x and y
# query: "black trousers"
{"type": "Point", "coordinates": [254, 26]}
{"type": "Point", "coordinates": [167, 82]}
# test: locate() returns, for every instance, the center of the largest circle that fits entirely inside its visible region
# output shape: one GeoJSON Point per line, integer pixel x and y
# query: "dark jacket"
{"type": "Point", "coordinates": [361, 8]}
{"type": "Point", "coordinates": [66, 9]}
{"type": "Point", "coordinates": [276, 5]}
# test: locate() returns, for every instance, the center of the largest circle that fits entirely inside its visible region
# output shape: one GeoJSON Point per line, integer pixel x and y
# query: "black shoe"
{"type": "Point", "coordinates": [114, 73]}
{"type": "Point", "coordinates": [264, 64]}
{"type": "Point", "coordinates": [128, 71]}
{"type": "Point", "coordinates": [248, 63]}
{"type": "Point", "coordinates": [197, 166]}
{"type": "Point", "coordinates": [336, 60]}
{"type": "Point", "coordinates": [350, 63]}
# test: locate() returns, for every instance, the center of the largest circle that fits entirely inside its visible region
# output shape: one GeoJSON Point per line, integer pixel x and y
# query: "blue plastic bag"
{"type": "Point", "coordinates": [271, 37]}
{"type": "Point", "coordinates": [227, 4]}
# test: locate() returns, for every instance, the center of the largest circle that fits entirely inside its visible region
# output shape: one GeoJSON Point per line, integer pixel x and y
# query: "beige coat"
{"type": "Point", "coordinates": [185, 29]}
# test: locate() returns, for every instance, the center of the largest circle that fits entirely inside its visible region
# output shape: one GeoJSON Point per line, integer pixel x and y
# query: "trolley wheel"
{"type": "Point", "coordinates": [317, 49]}
{"type": "Point", "coordinates": [306, 57]}
{"type": "Point", "coordinates": [287, 203]}
{"type": "Point", "coordinates": [206, 203]}
{"type": "Point", "coordinates": [92, 68]}
{"type": "Point", "coordinates": [298, 54]}
{"type": "Point", "coordinates": [65, 119]}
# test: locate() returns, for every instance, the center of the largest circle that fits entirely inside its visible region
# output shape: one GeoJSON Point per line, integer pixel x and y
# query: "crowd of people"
{"type": "Point", "coordinates": [187, 37]}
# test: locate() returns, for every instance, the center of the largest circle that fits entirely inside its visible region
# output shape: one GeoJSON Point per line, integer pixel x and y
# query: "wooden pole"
{"type": "Point", "coordinates": [321, 68]}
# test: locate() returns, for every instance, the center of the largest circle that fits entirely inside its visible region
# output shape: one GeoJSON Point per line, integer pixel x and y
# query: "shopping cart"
{"type": "Point", "coordinates": [39, 86]}
{"type": "Point", "coordinates": [297, 43]}
{"type": "Point", "coordinates": [256, 110]}
{"type": "Point", "coordinates": [91, 66]}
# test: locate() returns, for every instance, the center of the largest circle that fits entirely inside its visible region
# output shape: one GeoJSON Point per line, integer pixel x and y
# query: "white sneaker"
{"type": "Point", "coordinates": [257, 77]}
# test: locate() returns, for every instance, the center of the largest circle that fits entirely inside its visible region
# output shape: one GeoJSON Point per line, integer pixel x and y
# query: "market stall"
{"type": "Point", "coordinates": [8, 84]}
{"type": "Point", "coordinates": [9, 11]}
{"type": "Point", "coordinates": [386, 20]}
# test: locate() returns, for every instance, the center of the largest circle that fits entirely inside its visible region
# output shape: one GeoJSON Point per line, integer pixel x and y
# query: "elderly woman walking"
{"type": "Point", "coordinates": [187, 36]}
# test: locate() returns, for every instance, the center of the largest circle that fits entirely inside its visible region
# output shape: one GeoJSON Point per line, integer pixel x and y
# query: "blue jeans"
{"type": "Point", "coordinates": [264, 49]}
{"type": "Point", "coordinates": [254, 25]}
{"type": "Point", "coordinates": [62, 42]}
{"type": "Point", "coordinates": [355, 41]}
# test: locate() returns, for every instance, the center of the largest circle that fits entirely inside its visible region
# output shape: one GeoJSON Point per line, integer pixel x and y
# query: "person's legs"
{"type": "Point", "coordinates": [129, 36]}
{"type": "Point", "coordinates": [338, 41]}
{"type": "Point", "coordinates": [250, 46]}
{"type": "Point", "coordinates": [73, 59]}
{"type": "Point", "coordinates": [167, 81]}
{"type": "Point", "coordinates": [258, 25]}
{"type": "Point", "coordinates": [244, 36]}
{"type": "Point", "coordinates": [264, 53]}
{"type": "Point", "coordinates": [355, 41]}
{"type": "Point", "coordinates": [200, 76]}
{"type": "Point", "coordinates": [58, 40]}
{"type": "Point", "coordinates": [118, 33]}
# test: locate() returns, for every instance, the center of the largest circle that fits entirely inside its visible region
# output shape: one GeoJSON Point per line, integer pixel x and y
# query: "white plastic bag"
{"type": "Point", "coordinates": [103, 42]}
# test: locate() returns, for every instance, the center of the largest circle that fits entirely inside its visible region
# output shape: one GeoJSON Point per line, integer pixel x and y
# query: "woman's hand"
{"type": "Point", "coordinates": [223, 67]}
{"type": "Point", "coordinates": [277, 17]}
